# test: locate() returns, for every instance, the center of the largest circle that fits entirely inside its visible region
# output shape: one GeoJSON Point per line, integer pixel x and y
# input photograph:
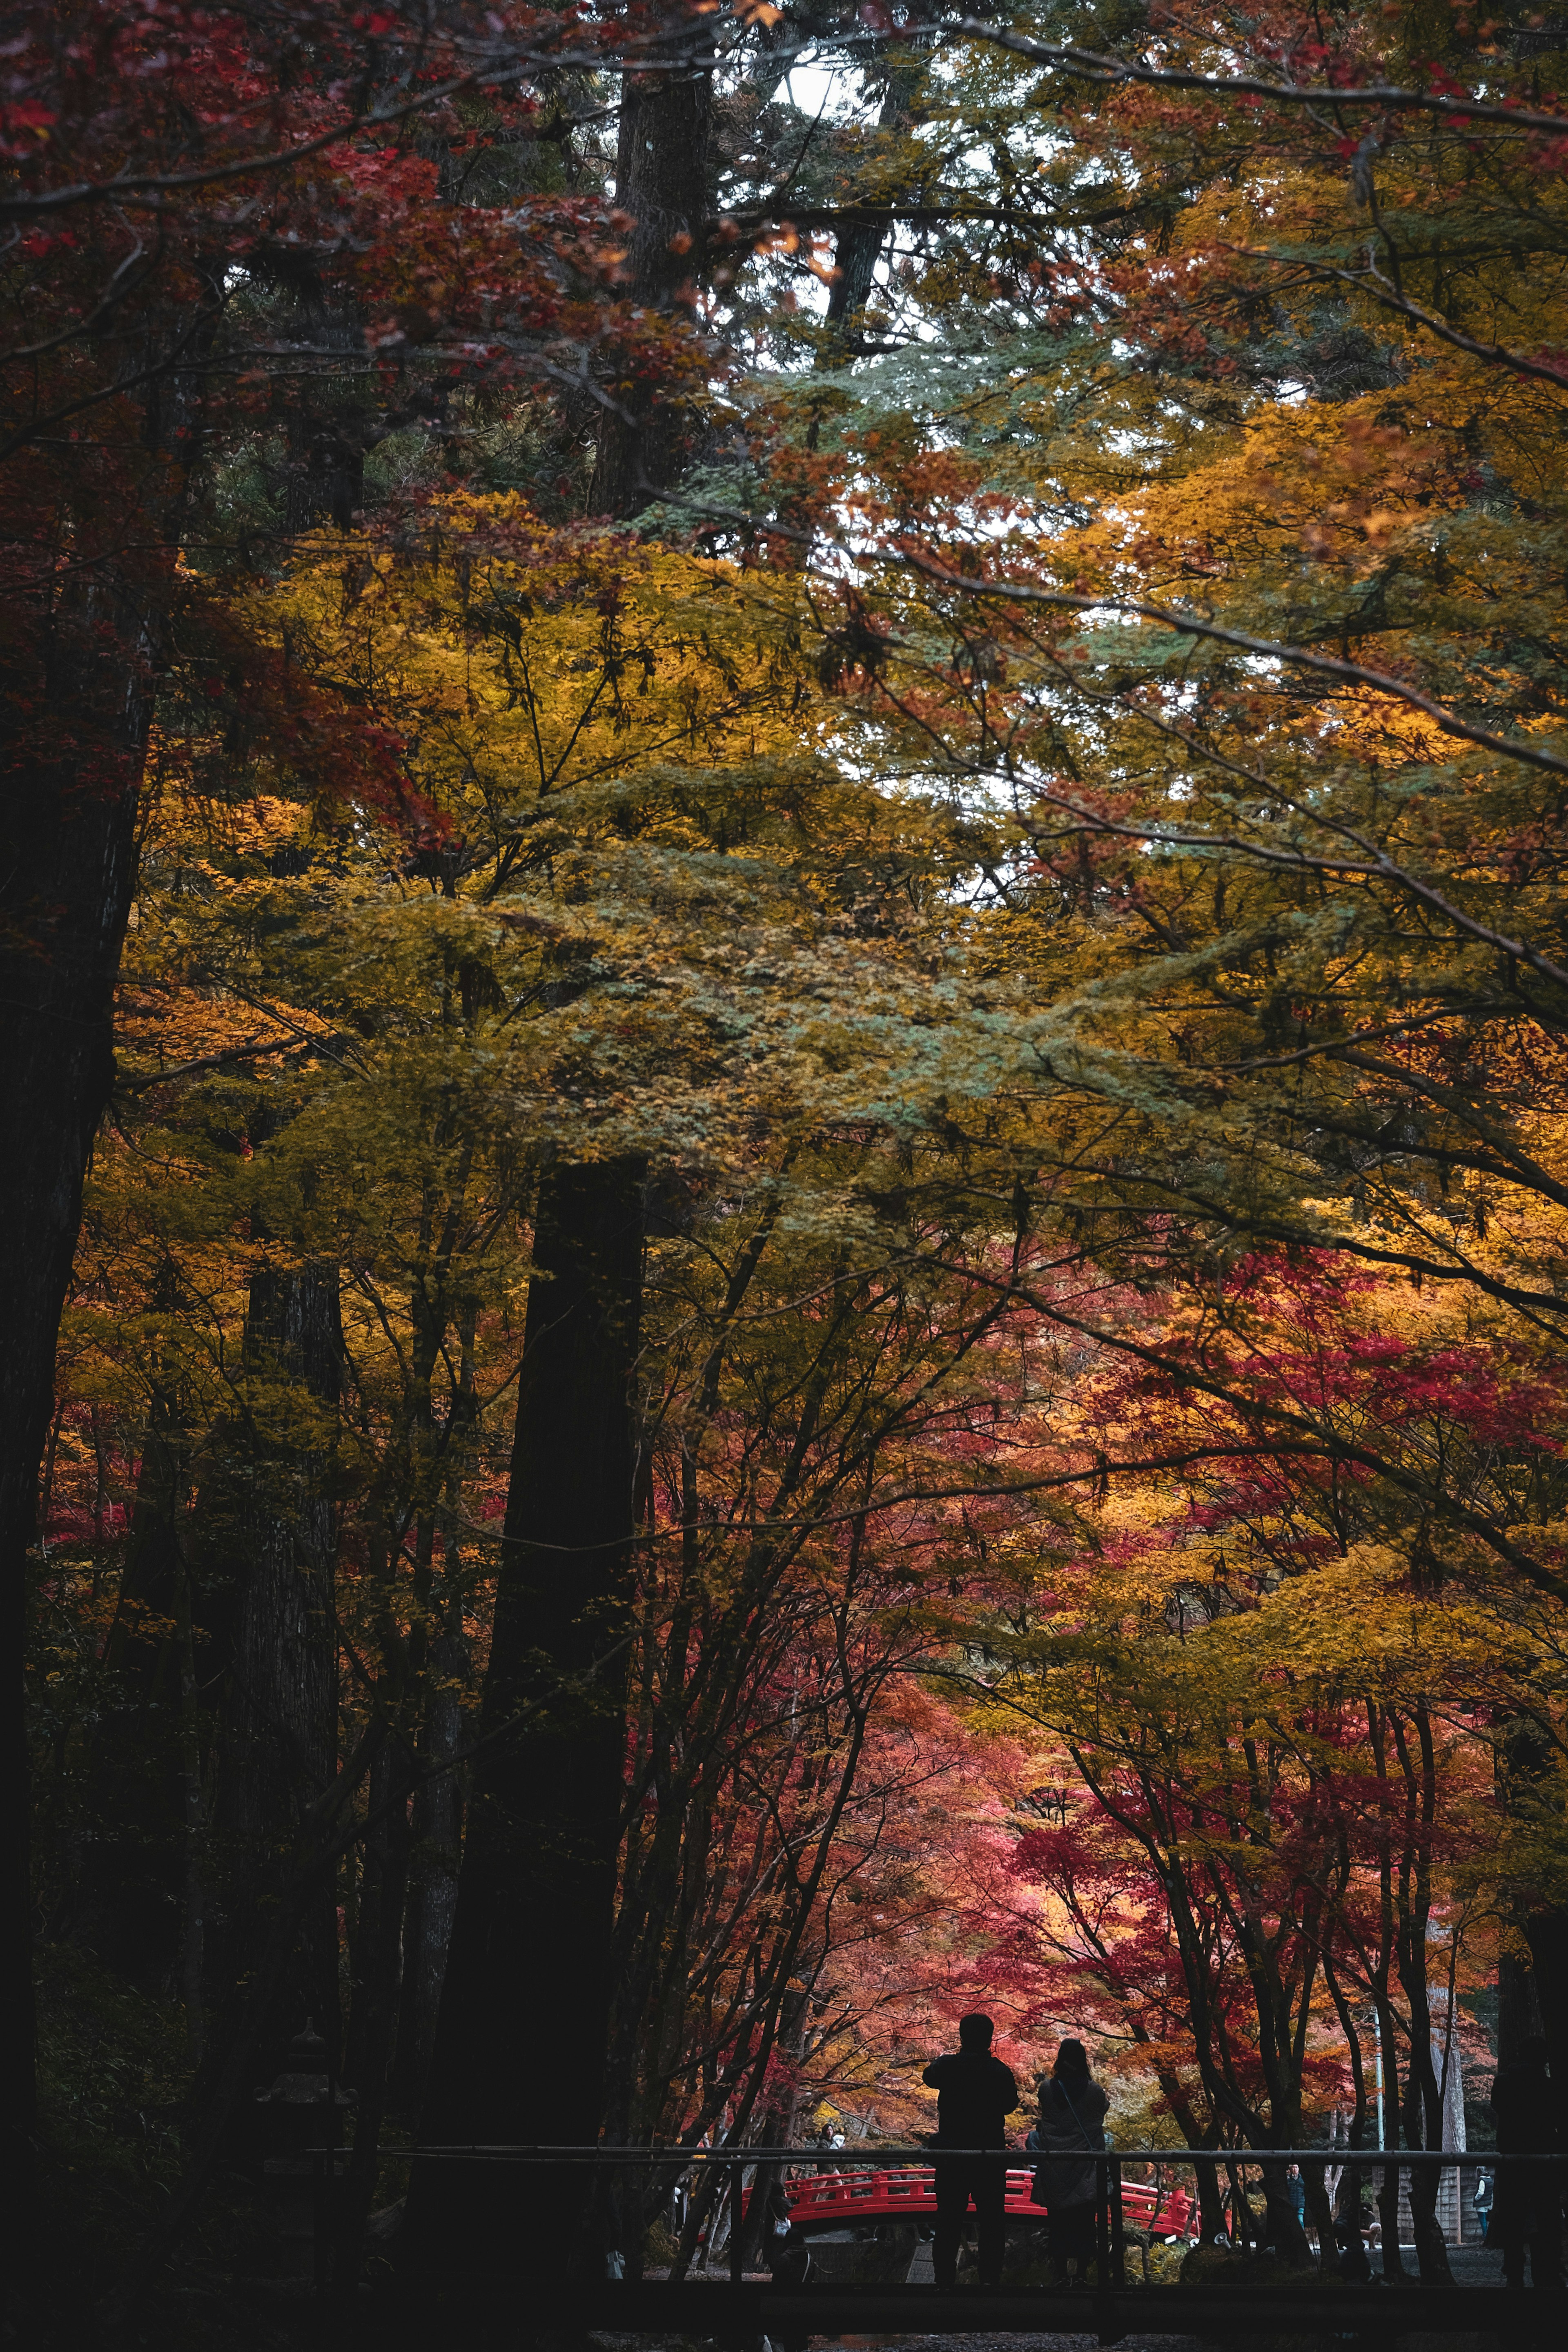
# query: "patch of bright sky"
{"type": "Point", "coordinates": [834, 92]}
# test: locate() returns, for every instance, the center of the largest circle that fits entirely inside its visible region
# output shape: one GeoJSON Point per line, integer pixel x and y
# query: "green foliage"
{"type": "Point", "coordinates": [115, 2071]}
{"type": "Point", "coordinates": [114, 2076]}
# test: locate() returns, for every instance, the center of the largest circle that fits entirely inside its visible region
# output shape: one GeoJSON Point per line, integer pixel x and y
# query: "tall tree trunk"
{"type": "Point", "coordinates": [775, 2126]}
{"type": "Point", "coordinates": [273, 1545]}
{"type": "Point", "coordinates": [1547, 1933]}
{"type": "Point", "coordinates": [859, 245]}
{"type": "Point", "coordinates": [1533, 1998]}
{"type": "Point", "coordinates": [75, 708]}
{"type": "Point", "coordinates": [1388, 2178]}
{"type": "Point", "coordinates": [438, 1831]}
{"type": "Point", "coordinates": [1424, 2100]}
{"type": "Point", "coordinates": [1518, 2008]}
{"type": "Point", "coordinates": [523, 2029]}
{"type": "Point", "coordinates": [378, 1976]}
{"type": "Point", "coordinates": [131, 1861]}
{"type": "Point", "coordinates": [661, 179]}
{"type": "Point", "coordinates": [520, 2047]}
{"type": "Point", "coordinates": [1348, 2200]}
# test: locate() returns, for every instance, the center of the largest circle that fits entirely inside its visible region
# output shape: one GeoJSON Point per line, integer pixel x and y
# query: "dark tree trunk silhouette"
{"type": "Point", "coordinates": [1533, 1994]}
{"type": "Point", "coordinates": [523, 2029]}
{"type": "Point", "coordinates": [86, 590]}
{"type": "Point", "coordinates": [438, 1832]}
{"type": "Point", "coordinates": [858, 247]}
{"type": "Point", "coordinates": [270, 1544]}
{"type": "Point", "coordinates": [1547, 1932]}
{"type": "Point", "coordinates": [662, 180]}
{"type": "Point", "coordinates": [520, 2047]}
{"type": "Point", "coordinates": [84, 684]}
{"type": "Point", "coordinates": [130, 1879]}
{"type": "Point", "coordinates": [377, 1983]}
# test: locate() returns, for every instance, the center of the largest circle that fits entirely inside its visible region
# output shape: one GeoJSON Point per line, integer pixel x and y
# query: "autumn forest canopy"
{"type": "Point", "coordinates": [784, 1233]}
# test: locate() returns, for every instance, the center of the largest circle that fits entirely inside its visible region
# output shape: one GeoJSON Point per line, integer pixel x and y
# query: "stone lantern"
{"type": "Point", "coordinates": [299, 2129]}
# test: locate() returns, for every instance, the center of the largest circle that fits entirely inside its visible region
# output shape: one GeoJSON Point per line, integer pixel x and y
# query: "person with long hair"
{"type": "Point", "coordinates": [1071, 2128]}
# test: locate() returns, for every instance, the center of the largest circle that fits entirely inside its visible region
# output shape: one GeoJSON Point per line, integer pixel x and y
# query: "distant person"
{"type": "Point", "coordinates": [1295, 2196]}
{"type": "Point", "coordinates": [1527, 2201]}
{"type": "Point", "coordinates": [1482, 2200]}
{"type": "Point", "coordinates": [975, 2094]}
{"type": "Point", "coordinates": [1072, 2123]}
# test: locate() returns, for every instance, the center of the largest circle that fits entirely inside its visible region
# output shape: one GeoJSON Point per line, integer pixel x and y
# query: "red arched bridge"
{"type": "Point", "coordinates": [830, 2201]}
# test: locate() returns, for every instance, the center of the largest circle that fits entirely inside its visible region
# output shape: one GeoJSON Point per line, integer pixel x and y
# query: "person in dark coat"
{"type": "Point", "coordinates": [1071, 2128]}
{"type": "Point", "coordinates": [1295, 2194]}
{"type": "Point", "coordinates": [975, 2094]}
{"type": "Point", "coordinates": [1527, 2200]}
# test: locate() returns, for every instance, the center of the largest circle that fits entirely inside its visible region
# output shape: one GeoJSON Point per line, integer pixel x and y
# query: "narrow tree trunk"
{"type": "Point", "coordinates": [1424, 2101]}
{"type": "Point", "coordinates": [192, 1925]}
{"type": "Point", "coordinates": [1519, 2018]}
{"type": "Point", "coordinates": [437, 1829]}
{"type": "Point", "coordinates": [272, 1542]}
{"type": "Point", "coordinates": [378, 1975]}
{"type": "Point", "coordinates": [382, 1875]}
{"type": "Point", "coordinates": [519, 2048]}
{"type": "Point", "coordinates": [1388, 2180]}
{"type": "Point", "coordinates": [1348, 2200]}
{"type": "Point", "coordinates": [131, 1874]}
{"type": "Point", "coordinates": [776, 2124]}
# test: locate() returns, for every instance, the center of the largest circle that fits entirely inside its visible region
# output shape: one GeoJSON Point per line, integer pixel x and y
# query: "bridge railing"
{"type": "Point", "coordinates": [1145, 2199]}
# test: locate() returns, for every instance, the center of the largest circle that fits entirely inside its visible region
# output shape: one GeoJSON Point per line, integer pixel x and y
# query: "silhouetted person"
{"type": "Point", "coordinates": [1350, 2236]}
{"type": "Point", "coordinates": [1072, 2123]}
{"type": "Point", "coordinates": [1527, 2200]}
{"type": "Point", "coordinates": [975, 2094]}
